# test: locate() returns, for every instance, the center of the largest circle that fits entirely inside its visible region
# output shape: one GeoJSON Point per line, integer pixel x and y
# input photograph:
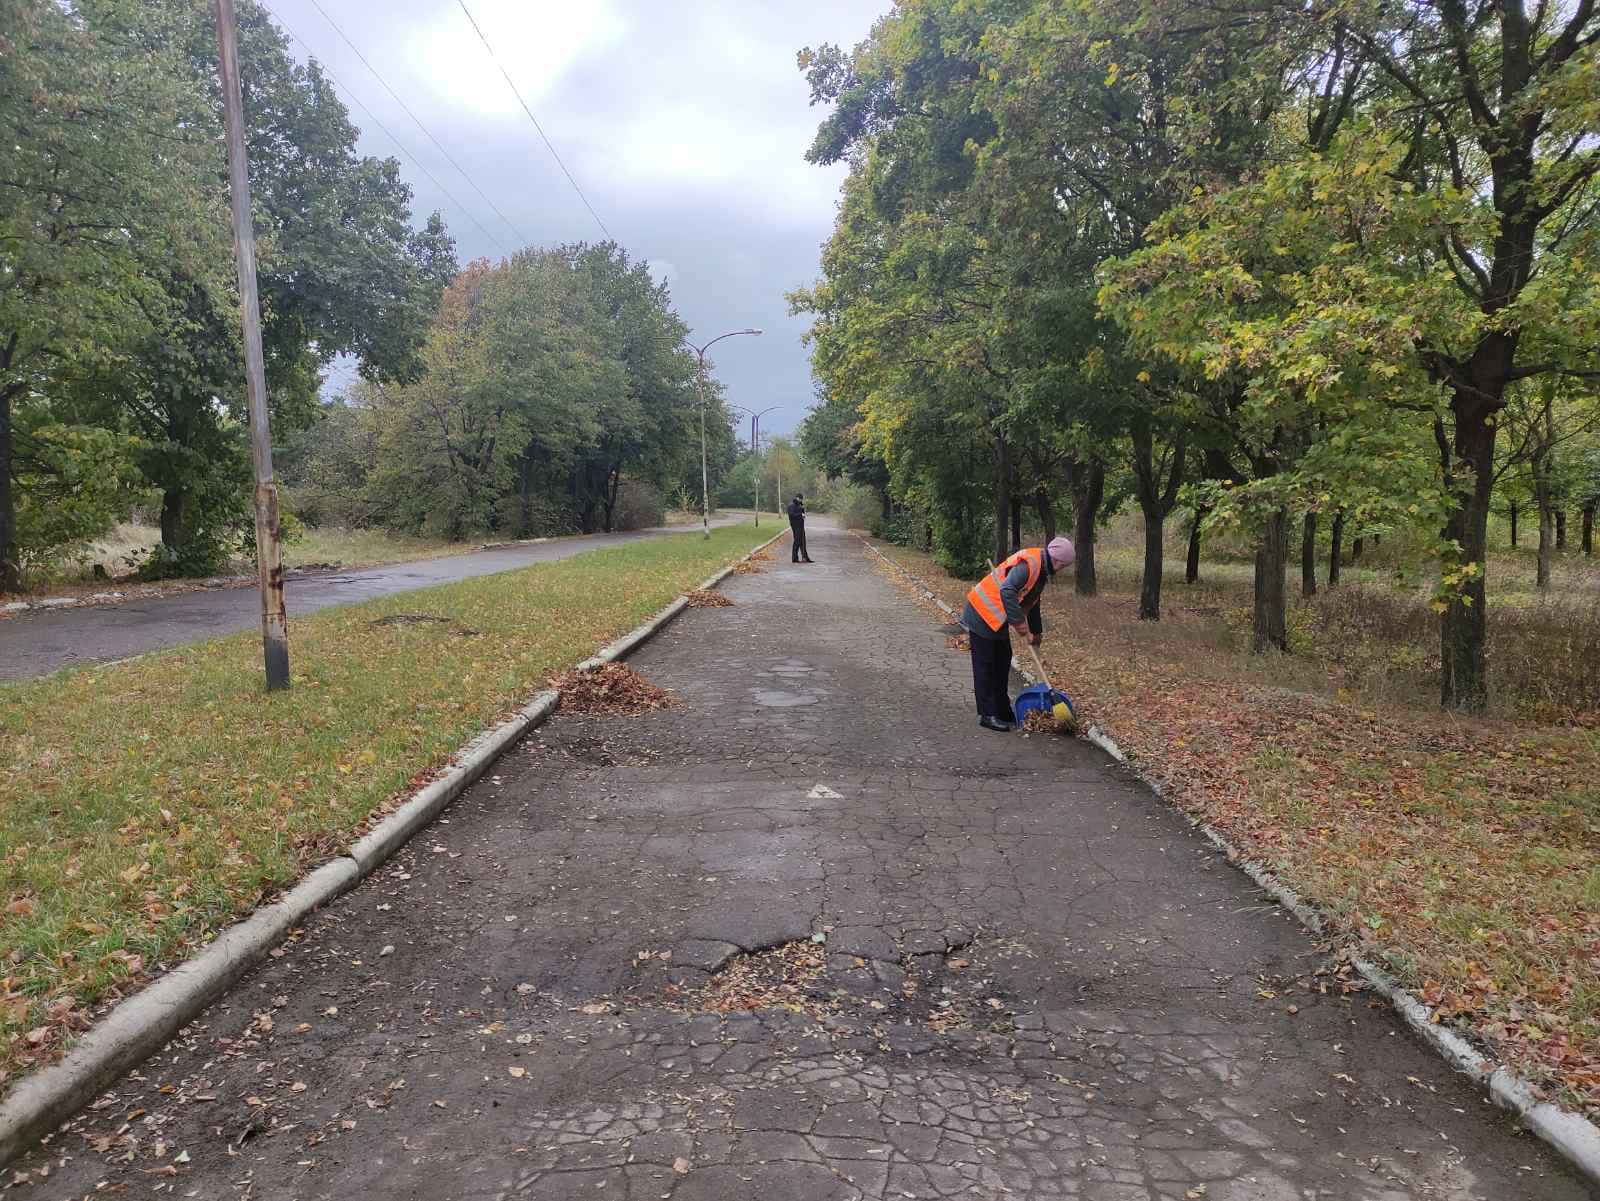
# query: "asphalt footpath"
{"type": "Point", "coordinates": [809, 933]}
{"type": "Point", "coordinates": [46, 640]}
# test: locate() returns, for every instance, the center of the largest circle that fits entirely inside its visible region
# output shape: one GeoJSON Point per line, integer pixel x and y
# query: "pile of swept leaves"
{"type": "Point", "coordinates": [614, 690]}
{"type": "Point", "coordinates": [1464, 854]}
{"type": "Point", "coordinates": [707, 598]}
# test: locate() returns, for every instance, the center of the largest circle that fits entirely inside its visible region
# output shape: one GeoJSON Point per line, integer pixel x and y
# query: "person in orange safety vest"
{"type": "Point", "coordinates": [1005, 598]}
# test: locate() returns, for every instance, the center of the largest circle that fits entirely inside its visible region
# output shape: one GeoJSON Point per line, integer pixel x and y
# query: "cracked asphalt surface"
{"type": "Point", "coordinates": [46, 640]}
{"type": "Point", "coordinates": [981, 966]}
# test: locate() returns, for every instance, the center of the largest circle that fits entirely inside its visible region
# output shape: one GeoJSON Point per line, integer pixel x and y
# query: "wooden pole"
{"type": "Point", "coordinates": [269, 551]}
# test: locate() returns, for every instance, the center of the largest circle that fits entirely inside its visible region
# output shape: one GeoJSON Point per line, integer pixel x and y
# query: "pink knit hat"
{"type": "Point", "coordinates": [1061, 553]}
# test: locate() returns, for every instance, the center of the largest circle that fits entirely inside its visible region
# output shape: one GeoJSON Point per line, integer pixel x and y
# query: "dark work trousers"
{"type": "Point", "coordinates": [797, 547]}
{"type": "Point", "coordinates": [991, 675]}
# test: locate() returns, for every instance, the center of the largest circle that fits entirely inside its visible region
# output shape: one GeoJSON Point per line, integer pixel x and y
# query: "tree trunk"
{"type": "Point", "coordinates": [1016, 523]}
{"type": "Point", "coordinates": [1088, 490]}
{"type": "Point", "coordinates": [1463, 679]}
{"type": "Point", "coordinates": [174, 510]}
{"type": "Point", "coordinates": [609, 500]}
{"type": "Point", "coordinates": [1191, 565]}
{"type": "Point", "coordinates": [1513, 509]}
{"type": "Point", "coordinates": [1355, 551]}
{"type": "Point", "coordinates": [1270, 625]}
{"type": "Point", "coordinates": [1336, 536]}
{"type": "Point", "coordinates": [1542, 495]}
{"type": "Point", "coordinates": [1046, 509]}
{"type": "Point", "coordinates": [10, 551]}
{"type": "Point", "coordinates": [1561, 529]}
{"type": "Point", "coordinates": [1154, 561]}
{"type": "Point", "coordinates": [1002, 497]}
{"type": "Point", "coordinates": [1157, 496]}
{"type": "Point", "coordinates": [1588, 529]}
{"type": "Point", "coordinates": [1308, 555]}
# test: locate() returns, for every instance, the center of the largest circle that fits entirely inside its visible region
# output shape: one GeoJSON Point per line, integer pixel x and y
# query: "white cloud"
{"type": "Point", "coordinates": [536, 42]}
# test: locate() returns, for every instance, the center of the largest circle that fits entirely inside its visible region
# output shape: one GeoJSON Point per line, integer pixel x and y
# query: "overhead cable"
{"type": "Point", "coordinates": [548, 144]}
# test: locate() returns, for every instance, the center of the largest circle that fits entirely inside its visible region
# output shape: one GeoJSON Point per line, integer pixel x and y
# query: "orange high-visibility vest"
{"type": "Point", "coordinates": [985, 594]}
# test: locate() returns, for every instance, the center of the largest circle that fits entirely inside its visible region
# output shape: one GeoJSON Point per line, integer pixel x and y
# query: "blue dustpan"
{"type": "Point", "coordinates": [1040, 698]}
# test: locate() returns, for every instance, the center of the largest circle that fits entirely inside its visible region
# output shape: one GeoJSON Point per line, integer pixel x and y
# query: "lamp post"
{"type": "Point", "coordinates": [705, 473]}
{"type": "Point", "coordinates": [755, 449]}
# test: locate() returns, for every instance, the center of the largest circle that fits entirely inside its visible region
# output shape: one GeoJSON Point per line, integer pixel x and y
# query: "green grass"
{"type": "Point", "coordinates": [147, 803]}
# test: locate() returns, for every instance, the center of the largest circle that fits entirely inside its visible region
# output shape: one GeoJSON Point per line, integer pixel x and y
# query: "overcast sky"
{"type": "Point", "coordinates": [685, 122]}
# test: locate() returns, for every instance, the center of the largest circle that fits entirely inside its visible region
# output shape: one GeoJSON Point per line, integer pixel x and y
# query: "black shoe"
{"type": "Point", "coordinates": [994, 723]}
{"type": "Point", "coordinates": [805, 560]}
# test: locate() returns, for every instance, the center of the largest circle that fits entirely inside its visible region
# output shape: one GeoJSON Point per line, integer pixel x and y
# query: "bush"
{"type": "Point", "coordinates": [961, 544]}
{"type": "Point", "coordinates": [640, 506]}
{"type": "Point", "coordinates": [858, 508]}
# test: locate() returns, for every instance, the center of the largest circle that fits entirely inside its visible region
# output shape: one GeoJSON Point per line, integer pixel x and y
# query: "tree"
{"type": "Point", "coordinates": [341, 271]}
{"type": "Point", "coordinates": [1499, 104]}
{"type": "Point", "coordinates": [102, 189]}
{"type": "Point", "coordinates": [648, 428]}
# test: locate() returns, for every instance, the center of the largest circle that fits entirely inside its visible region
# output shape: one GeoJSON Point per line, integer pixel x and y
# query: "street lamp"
{"type": "Point", "coordinates": [705, 474]}
{"type": "Point", "coordinates": [755, 449]}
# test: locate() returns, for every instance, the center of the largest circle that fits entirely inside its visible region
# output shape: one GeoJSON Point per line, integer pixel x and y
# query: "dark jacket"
{"type": "Point", "coordinates": [797, 510]}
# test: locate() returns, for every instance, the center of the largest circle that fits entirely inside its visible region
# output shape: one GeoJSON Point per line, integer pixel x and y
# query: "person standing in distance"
{"type": "Point", "coordinates": [797, 528]}
{"type": "Point", "coordinates": [1007, 597]}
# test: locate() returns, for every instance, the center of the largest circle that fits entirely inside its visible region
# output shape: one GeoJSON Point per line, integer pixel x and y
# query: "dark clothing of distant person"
{"type": "Point", "coordinates": [797, 527]}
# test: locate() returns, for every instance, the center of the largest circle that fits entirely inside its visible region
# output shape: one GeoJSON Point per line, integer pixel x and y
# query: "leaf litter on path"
{"type": "Point", "coordinates": [614, 690]}
{"type": "Point", "coordinates": [706, 598]}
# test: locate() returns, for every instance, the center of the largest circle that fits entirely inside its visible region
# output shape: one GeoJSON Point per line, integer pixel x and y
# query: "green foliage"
{"type": "Point", "coordinates": [104, 190]}
{"type": "Point", "coordinates": [551, 386]}
{"type": "Point", "coordinates": [74, 482]}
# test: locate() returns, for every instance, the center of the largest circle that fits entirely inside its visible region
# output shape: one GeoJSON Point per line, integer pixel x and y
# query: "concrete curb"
{"type": "Point", "coordinates": [1571, 1135]}
{"type": "Point", "coordinates": [140, 1025]}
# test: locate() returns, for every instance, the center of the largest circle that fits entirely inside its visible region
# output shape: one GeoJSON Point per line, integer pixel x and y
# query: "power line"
{"type": "Point", "coordinates": [399, 145]}
{"type": "Point", "coordinates": [535, 120]}
{"type": "Point", "coordinates": [521, 237]}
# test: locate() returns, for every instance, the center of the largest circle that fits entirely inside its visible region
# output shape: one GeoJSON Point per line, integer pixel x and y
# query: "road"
{"type": "Point", "coordinates": [35, 644]}
{"type": "Point", "coordinates": [808, 935]}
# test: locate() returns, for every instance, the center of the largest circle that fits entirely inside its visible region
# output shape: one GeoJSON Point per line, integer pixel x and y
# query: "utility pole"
{"type": "Point", "coordinates": [755, 473]}
{"type": "Point", "coordinates": [269, 551]}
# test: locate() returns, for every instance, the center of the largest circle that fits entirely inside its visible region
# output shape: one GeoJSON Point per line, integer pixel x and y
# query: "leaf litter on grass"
{"type": "Point", "coordinates": [614, 690]}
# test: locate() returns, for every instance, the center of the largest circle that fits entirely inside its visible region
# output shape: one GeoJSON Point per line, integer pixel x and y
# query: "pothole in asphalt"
{"type": "Point", "coordinates": [965, 771]}
{"type": "Point", "coordinates": [935, 992]}
{"type": "Point", "coordinates": [776, 698]}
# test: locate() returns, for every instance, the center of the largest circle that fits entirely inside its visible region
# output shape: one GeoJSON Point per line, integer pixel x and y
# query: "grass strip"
{"type": "Point", "coordinates": [1463, 854]}
{"type": "Point", "coordinates": [150, 802]}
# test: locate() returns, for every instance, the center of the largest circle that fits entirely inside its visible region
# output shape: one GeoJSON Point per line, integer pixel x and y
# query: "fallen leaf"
{"type": "Point", "coordinates": [681, 1166]}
